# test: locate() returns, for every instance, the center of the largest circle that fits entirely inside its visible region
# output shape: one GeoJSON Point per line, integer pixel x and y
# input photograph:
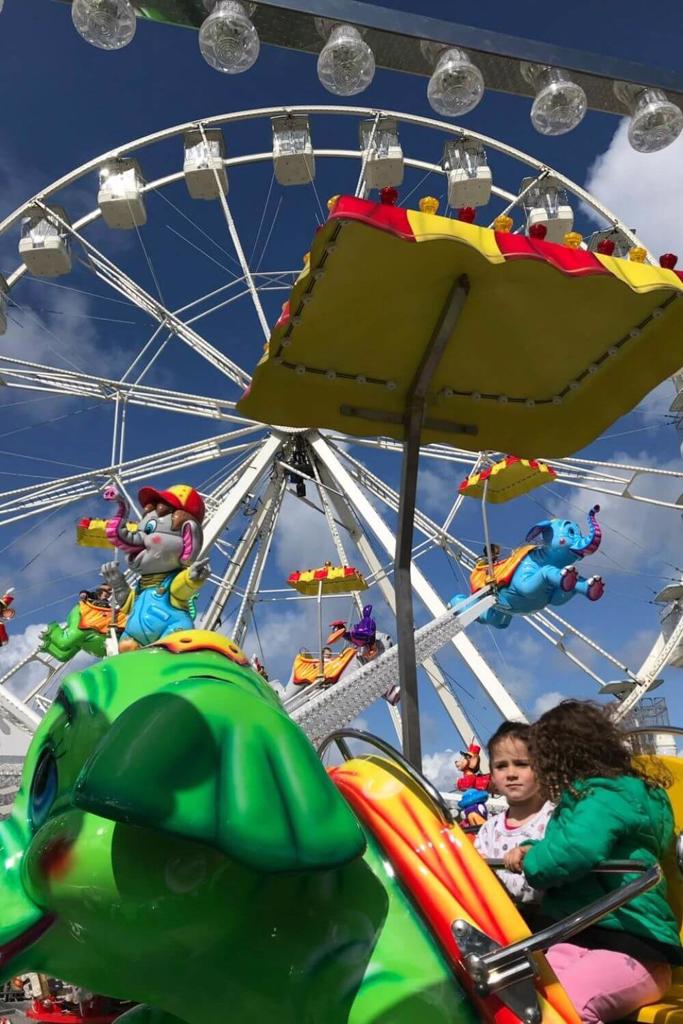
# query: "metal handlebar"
{"type": "Point", "coordinates": [606, 867]}
{"type": "Point", "coordinates": [510, 970]}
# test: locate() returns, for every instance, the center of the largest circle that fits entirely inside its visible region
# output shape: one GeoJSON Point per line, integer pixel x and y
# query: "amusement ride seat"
{"type": "Point", "coordinates": [670, 1009]}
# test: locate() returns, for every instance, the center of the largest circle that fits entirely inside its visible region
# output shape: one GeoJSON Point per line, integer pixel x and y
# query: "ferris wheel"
{"type": "Point", "coordinates": [158, 229]}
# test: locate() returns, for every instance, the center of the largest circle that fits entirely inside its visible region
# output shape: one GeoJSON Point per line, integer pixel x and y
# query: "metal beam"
{"type": "Point", "coordinates": [346, 517]}
{"type": "Point", "coordinates": [251, 474]}
{"type": "Point", "coordinates": [239, 558]}
{"type": "Point", "coordinates": [414, 416]}
{"type": "Point", "coordinates": [395, 37]}
{"type": "Point", "coordinates": [18, 373]}
{"type": "Point", "coordinates": [264, 540]}
{"type": "Point", "coordinates": [22, 502]}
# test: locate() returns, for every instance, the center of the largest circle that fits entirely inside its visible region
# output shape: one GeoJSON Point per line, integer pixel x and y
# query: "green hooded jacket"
{"type": "Point", "coordinates": [612, 819]}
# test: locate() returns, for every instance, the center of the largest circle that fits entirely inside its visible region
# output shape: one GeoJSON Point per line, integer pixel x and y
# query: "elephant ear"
{"type": "Point", "coordinates": [545, 527]}
{"type": "Point", "coordinates": [213, 763]}
{"type": "Point", "coordinates": [192, 538]}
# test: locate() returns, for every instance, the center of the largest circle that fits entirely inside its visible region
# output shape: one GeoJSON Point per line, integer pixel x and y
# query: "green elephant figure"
{"type": "Point", "coordinates": [85, 629]}
{"type": "Point", "coordinates": [177, 842]}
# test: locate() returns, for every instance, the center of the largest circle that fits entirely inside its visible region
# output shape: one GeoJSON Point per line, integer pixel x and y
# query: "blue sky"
{"type": "Point", "coordinates": [65, 102]}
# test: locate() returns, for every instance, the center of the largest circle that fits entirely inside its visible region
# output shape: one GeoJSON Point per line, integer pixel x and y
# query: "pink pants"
{"type": "Point", "coordinates": [605, 986]}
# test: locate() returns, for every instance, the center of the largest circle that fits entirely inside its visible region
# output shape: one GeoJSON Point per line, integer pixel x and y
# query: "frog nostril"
{"type": "Point", "coordinates": [56, 859]}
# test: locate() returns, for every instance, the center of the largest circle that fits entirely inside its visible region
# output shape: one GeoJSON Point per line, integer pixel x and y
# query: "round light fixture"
{"type": "Point", "coordinates": [108, 24]}
{"type": "Point", "coordinates": [456, 85]}
{"type": "Point", "coordinates": [560, 104]}
{"type": "Point", "coordinates": [656, 122]}
{"type": "Point", "coordinates": [346, 64]}
{"type": "Point", "coordinates": [227, 39]}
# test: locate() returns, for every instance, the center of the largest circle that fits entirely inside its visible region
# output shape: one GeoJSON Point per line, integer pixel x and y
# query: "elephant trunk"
{"type": "Point", "coordinates": [591, 542]}
{"type": "Point", "coordinates": [116, 529]}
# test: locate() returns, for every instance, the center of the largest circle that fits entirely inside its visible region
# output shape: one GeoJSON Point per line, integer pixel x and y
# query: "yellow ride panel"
{"type": "Point", "coordinates": [552, 346]}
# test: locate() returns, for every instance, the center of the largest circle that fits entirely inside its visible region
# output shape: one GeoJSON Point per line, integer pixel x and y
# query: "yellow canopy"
{"type": "Point", "coordinates": [553, 343]}
{"type": "Point", "coordinates": [91, 533]}
{"type": "Point", "coordinates": [335, 579]}
{"type": "Point", "coordinates": [507, 479]}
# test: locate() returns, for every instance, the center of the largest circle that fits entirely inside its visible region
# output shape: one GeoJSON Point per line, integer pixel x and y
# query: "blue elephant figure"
{"type": "Point", "coordinates": [541, 572]}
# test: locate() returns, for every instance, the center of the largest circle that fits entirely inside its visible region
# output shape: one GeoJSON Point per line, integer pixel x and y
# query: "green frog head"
{"type": "Point", "coordinates": [162, 794]}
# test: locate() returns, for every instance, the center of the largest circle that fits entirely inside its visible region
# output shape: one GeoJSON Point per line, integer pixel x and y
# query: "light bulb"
{"type": "Point", "coordinates": [456, 85]}
{"type": "Point", "coordinates": [656, 122]}
{"type": "Point", "coordinates": [560, 104]}
{"type": "Point", "coordinates": [228, 40]}
{"type": "Point", "coordinates": [109, 24]}
{"type": "Point", "coordinates": [346, 64]}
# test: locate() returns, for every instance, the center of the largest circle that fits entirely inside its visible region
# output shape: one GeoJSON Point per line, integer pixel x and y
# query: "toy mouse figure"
{"type": "Point", "coordinates": [472, 810]}
{"type": "Point", "coordinates": [469, 763]}
{"type": "Point", "coordinates": [164, 551]}
{"type": "Point", "coordinates": [6, 613]}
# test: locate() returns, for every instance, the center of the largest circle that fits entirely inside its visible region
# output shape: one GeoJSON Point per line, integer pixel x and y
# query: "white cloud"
{"type": "Point", "coordinates": [643, 189]}
{"type": "Point", "coordinates": [546, 701]}
{"type": "Point", "coordinates": [49, 554]}
{"type": "Point", "coordinates": [21, 645]}
{"type": "Point", "coordinates": [440, 770]}
{"type": "Point", "coordinates": [302, 538]}
{"type": "Point", "coordinates": [282, 629]}
{"type": "Point", "coordinates": [437, 490]}
{"type": "Point", "coordinates": [638, 647]}
{"type": "Point", "coordinates": [55, 327]}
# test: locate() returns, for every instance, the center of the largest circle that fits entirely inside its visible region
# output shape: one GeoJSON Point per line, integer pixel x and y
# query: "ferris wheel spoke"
{"type": "Point", "coordinates": [353, 525]}
{"type": "Point", "coordinates": [258, 524]}
{"type": "Point", "coordinates": [252, 472]}
{"type": "Point", "coordinates": [436, 534]}
{"type": "Point", "coordinates": [20, 374]}
{"type": "Point", "coordinates": [557, 630]}
{"type": "Point", "coordinates": [657, 659]}
{"type": "Point", "coordinates": [614, 479]}
{"type": "Point", "coordinates": [22, 503]}
{"type": "Point", "coordinates": [264, 540]}
{"type": "Point", "coordinates": [112, 275]}
{"type": "Point", "coordinates": [237, 245]}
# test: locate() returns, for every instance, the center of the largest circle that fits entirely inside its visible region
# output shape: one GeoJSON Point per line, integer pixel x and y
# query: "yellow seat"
{"type": "Point", "coordinates": [670, 1010]}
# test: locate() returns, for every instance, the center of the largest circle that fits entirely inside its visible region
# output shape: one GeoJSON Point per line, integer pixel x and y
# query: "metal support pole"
{"type": "Point", "coordinates": [417, 397]}
{"type": "Point", "coordinates": [320, 629]}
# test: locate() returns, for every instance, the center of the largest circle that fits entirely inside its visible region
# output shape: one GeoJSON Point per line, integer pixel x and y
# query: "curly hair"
{"type": "Point", "coordinates": [578, 740]}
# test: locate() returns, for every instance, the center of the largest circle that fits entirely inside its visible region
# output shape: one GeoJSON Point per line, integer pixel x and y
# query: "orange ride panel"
{"type": "Point", "coordinates": [502, 571]}
{"type": "Point", "coordinates": [306, 668]}
{"type": "Point", "coordinates": [443, 873]}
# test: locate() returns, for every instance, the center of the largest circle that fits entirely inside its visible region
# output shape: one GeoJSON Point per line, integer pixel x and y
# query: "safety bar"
{"type": "Point", "coordinates": [606, 867]}
{"type": "Point", "coordinates": [495, 968]}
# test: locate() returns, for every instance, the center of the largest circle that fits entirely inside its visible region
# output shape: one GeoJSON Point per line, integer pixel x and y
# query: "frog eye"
{"type": "Point", "coordinates": [43, 788]}
{"type": "Point", "coordinates": [151, 526]}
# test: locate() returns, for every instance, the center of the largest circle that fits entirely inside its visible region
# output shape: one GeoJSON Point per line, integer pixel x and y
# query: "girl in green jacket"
{"type": "Point", "coordinates": [607, 809]}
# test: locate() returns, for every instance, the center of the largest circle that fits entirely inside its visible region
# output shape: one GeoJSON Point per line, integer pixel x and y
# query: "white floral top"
{"type": "Point", "coordinates": [496, 837]}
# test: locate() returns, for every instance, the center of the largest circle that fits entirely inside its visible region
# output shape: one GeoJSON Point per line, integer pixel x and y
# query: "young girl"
{"type": "Point", "coordinates": [607, 809]}
{"type": "Point", "coordinates": [528, 811]}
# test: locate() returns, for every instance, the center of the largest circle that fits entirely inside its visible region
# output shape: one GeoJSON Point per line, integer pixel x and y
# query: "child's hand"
{"type": "Point", "coordinates": [514, 858]}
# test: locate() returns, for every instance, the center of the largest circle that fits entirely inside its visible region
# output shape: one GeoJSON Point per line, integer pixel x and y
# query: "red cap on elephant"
{"type": "Point", "coordinates": [178, 496]}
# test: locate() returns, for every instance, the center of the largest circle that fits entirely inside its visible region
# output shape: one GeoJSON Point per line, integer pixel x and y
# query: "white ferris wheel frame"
{"type": "Point", "coordinates": [342, 482]}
